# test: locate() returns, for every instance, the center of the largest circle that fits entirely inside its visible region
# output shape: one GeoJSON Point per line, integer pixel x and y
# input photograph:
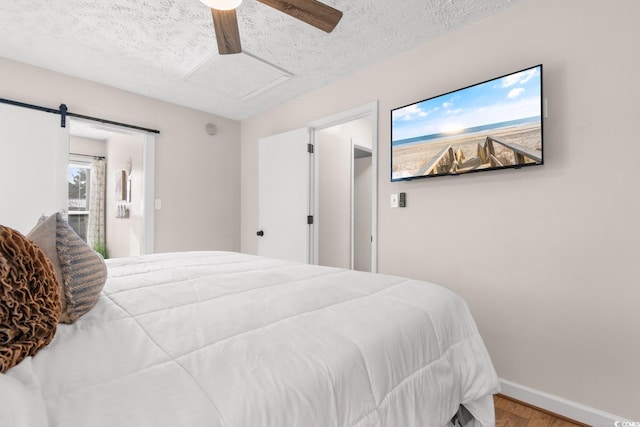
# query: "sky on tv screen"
{"type": "Point", "coordinates": [513, 97]}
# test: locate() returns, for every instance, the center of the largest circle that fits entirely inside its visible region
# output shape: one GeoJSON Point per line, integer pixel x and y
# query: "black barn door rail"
{"type": "Point", "coordinates": [63, 111]}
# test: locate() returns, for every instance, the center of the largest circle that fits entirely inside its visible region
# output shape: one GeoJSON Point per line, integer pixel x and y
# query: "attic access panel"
{"type": "Point", "coordinates": [242, 75]}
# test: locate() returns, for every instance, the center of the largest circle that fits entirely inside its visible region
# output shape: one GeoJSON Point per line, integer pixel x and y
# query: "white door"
{"type": "Point", "coordinates": [284, 179]}
{"type": "Point", "coordinates": [34, 153]}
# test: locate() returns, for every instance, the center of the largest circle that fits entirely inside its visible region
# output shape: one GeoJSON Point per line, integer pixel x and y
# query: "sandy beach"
{"type": "Point", "coordinates": [409, 158]}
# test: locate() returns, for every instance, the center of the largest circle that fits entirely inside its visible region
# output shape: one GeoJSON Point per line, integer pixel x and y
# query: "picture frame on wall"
{"type": "Point", "coordinates": [121, 185]}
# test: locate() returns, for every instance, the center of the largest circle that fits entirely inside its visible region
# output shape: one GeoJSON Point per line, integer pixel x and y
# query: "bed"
{"type": "Point", "coordinates": [236, 340]}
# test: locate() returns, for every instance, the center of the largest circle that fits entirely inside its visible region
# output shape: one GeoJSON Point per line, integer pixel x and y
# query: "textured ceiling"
{"type": "Point", "coordinates": [166, 49]}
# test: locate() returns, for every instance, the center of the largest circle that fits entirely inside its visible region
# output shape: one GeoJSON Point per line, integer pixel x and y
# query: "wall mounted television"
{"type": "Point", "coordinates": [495, 124]}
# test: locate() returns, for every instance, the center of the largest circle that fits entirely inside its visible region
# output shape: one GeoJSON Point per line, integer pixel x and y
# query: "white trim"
{"type": "Point", "coordinates": [108, 128]}
{"type": "Point", "coordinates": [352, 211]}
{"type": "Point", "coordinates": [314, 200]}
{"type": "Point", "coordinates": [373, 106]}
{"type": "Point", "coordinates": [312, 253]}
{"type": "Point", "coordinates": [346, 116]}
{"type": "Point", "coordinates": [61, 159]}
{"type": "Point", "coordinates": [149, 191]}
{"type": "Point", "coordinates": [559, 405]}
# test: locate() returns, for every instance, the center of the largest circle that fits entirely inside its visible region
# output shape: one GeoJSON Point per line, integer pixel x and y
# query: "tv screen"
{"type": "Point", "coordinates": [492, 125]}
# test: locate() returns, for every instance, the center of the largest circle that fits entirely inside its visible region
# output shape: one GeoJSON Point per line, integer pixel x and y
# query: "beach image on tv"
{"type": "Point", "coordinates": [490, 125]}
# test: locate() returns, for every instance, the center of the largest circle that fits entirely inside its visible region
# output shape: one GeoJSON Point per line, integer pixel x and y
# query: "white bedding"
{"type": "Point", "coordinates": [226, 339]}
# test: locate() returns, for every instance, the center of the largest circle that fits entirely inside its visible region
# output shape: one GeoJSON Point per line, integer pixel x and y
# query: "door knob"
{"type": "Point", "coordinates": [260, 233]}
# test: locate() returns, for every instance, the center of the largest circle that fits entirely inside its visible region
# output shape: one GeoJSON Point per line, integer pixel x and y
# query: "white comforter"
{"type": "Point", "coordinates": [226, 339]}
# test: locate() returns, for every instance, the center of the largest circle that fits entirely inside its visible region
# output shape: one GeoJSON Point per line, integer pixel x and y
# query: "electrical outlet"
{"type": "Point", "coordinates": [394, 201]}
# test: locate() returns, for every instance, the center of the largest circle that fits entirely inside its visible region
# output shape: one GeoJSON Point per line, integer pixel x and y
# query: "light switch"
{"type": "Point", "coordinates": [158, 204]}
{"type": "Point", "coordinates": [394, 200]}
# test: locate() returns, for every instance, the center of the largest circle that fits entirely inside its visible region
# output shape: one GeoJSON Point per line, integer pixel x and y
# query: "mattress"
{"type": "Point", "coordinates": [228, 339]}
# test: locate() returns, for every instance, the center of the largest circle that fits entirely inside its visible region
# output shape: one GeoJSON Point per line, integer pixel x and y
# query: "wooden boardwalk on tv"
{"type": "Point", "coordinates": [452, 161]}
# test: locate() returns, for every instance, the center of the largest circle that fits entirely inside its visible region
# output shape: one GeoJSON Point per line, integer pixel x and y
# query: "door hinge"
{"type": "Point", "coordinates": [310, 219]}
{"type": "Point", "coordinates": [310, 148]}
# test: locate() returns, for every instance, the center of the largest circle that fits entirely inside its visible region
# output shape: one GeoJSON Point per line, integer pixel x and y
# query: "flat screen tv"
{"type": "Point", "coordinates": [495, 124]}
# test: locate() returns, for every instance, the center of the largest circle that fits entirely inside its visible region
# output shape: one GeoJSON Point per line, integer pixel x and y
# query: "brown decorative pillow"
{"type": "Point", "coordinates": [82, 270]}
{"type": "Point", "coordinates": [30, 297]}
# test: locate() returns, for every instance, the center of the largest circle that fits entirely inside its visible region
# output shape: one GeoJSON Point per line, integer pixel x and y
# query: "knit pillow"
{"type": "Point", "coordinates": [82, 270]}
{"type": "Point", "coordinates": [44, 235]}
{"type": "Point", "coordinates": [30, 297]}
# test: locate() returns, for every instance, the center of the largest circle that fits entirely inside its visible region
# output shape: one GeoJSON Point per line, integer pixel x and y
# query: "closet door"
{"type": "Point", "coordinates": [284, 173]}
{"type": "Point", "coordinates": [34, 154]}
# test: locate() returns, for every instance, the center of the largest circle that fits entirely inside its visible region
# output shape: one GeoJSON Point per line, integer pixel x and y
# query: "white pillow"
{"type": "Point", "coordinates": [21, 406]}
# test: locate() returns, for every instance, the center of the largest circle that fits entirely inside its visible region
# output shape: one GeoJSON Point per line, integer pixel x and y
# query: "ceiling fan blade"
{"type": "Point", "coordinates": [225, 23]}
{"type": "Point", "coordinates": [312, 12]}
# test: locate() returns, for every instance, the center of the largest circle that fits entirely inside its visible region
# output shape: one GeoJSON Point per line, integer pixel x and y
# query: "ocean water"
{"type": "Point", "coordinates": [425, 138]}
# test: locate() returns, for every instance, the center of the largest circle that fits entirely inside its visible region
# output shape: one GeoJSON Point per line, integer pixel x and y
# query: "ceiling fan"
{"type": "Point", "coordinates": [225, 21]}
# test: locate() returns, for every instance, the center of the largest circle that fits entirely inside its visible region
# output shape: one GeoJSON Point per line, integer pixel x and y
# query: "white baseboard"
{"type": "Point", "coordinates": [560, 406]}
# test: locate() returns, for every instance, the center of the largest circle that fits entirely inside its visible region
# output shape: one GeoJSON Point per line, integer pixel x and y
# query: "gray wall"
{"type": "Point", "coordinates": [334, 220]}
{"type": "Point", "coordinates": [334, 155]}
{"type": "Point", "coordinates": [547, 257]}
{"type": "Point", "coordinates": [362, 214]}
{"type": "Point", "coordinates": [124, 234]}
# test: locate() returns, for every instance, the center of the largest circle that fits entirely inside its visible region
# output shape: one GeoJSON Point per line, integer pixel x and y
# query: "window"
{"type": "Point", "coordinates": [79, 177]}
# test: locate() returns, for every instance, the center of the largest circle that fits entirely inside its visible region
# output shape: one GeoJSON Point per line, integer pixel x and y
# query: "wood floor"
{"type": "Point", "coordinates": [512, 413]}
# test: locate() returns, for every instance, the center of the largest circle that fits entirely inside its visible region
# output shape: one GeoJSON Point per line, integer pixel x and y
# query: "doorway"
{"type": "Point", "coordinates": [128, 183]}
{"type": "Point", "coordinates": [317, 191]}
{"type": "Point", "coordinates": [345, 188]}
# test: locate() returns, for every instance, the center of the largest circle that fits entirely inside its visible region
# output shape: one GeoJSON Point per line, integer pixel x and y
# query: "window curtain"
{"type": "Point", "coordinates": [96, 229]}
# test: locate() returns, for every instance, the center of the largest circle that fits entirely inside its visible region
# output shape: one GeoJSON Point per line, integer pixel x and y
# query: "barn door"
{"type": "Point", "coordinates": [284, 182]}
{"type": "Point", "coordinates": [34, 153]}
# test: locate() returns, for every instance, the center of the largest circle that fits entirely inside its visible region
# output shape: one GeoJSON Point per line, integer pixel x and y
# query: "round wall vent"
{"type": "Point", "coordinates": [211, 128]}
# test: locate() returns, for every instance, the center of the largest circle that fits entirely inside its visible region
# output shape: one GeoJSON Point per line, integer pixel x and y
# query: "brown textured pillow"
{"type": "Point", "coordinates": [82, 270]}
{"type": "Point", "coordinates": [30, 297]}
